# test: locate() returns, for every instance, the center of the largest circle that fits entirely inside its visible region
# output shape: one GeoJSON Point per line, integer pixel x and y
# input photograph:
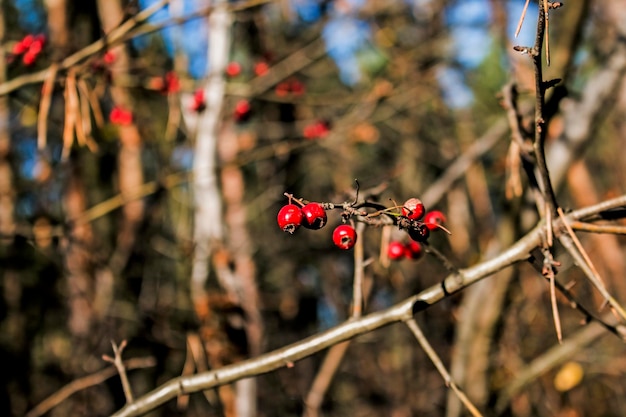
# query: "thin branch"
{"type": "Point", "coordinates": [521, 19]}
{"type": "Point", "coordinates": [436, 360]}
{"type": "Point", "coordinates": [44, 106]}
{"type": "Point", "coordinates": [121, 369]}
{"type": "Point", "coordinates": [555, 308]}
{"type": "Point", "coordinates": [575, 248]}
{"type": "Point", "coordinates": [613, 229]}
{"type": "Point", "coordinates": [85, 382]}
{"type": "Point", "coordinates": [357, 288]}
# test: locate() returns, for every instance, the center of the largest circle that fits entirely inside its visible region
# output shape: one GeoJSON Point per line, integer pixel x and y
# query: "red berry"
{"type": "Point", "coordinates": [109, 57]}
{"type": "Point", "coordinates": [172, 83]}
{"type": "Point", "coordinates": [289, 218]}
{"type": "Point", "coordinates": [314, 216]}
{"type": "Point", "coordinates": [344, 236]}
{"type": "Point", "coordinates": [413, 250]}
{"type": "Point", "coordinates": [233, 69]}
{"type": "Point", "coordinates": [37, 45]}
{"type": "Point", "coordinates": [395, 250]}
{"type": "Point", "coordinates": [28, 40]}
{"type": "Point", "coordinates": [29, 58]}
{"type": "Point", "coordinates": [296, 87]}
{"type": "Point", "coordinates": [261, 68]}
{"type": "Point", "coordinates": [420, 233]}
{"type": "Point", "coordinates": [19, 48]}
{"type": "Point", "coordinates": [120, 116]}
{"type": "Point", "coordinates": [282, 89]}
{"type": "Point", "coordinates": [198, 104]}
{"type": "Point", "coordinates": [434, 219]}
{"type": "Point", "coordinates": [413, 209]}
{"type": "Point", "coordinates": [242, 110]}
{"type": "Point", "coordinates": [316, 130]}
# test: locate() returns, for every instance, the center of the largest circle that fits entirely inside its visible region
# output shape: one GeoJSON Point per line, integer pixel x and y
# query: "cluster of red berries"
{"type": "Point", "coordinates": [313, 216]}
{"type": "Point", "coordinates": [293, 86]}
{"type": "Point", "coordinates": [120, 116]}
{"type": "Point", "coordinates": [233, 69]}
{"type": "Point", "coordinates": [413, 218]}
{"type": "Point", "coordinates": [30, 46]}
{"type": "Point", "coordinates": [400, 250]}
{"type": "Point", "coordinates": [168, 84]}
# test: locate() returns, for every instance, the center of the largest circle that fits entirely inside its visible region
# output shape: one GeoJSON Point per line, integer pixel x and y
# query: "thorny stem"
{"type": "Point", "coordinates": [540, 122]}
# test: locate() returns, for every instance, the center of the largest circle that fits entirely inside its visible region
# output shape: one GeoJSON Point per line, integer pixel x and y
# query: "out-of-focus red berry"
{"type": "Point", "coordinates": [242, 110]}
{"type": "Point", "coordinates": [19, 48]}
{"type": "Point", "coordinates": [198, 104]}
{"type": "Point", "coordinates": [282, 89]}
{"type": "Point", "coordinates": [121, 116]}
{"type": "Point", "coordinates": [29, 58]}
{"type": "Point", "coordinates": [261, 68]}
{"type": "Point", "coordinates": [413, 250]}
{"type": "Point", "coordinates": [395, 250]}
{"type": "Point", "coordinates": [316, 130]}
{"type": "Point", "coordinates": [296, 87]}
{"type": "Point", "coordinates": [109, 57]}
{"type": "Point", "coordinates": [172, 83]}
{"type": "Point", "coordinates": [233, 69]}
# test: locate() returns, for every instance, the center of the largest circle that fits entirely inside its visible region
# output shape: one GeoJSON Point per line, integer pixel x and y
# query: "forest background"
{"type": "Point", "coordinates": [147, 147]}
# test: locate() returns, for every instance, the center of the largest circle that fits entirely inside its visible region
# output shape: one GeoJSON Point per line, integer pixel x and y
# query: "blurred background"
{"type": "Point", "coordinates": [145, 149]}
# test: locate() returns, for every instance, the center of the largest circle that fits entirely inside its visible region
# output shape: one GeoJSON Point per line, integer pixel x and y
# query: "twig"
{"type": "Point", "coordinates": [548, 272]}
{"type": "Point", "coordinates": [599, 228]}
{"type": "Point", "coordinates": [436, 360]}
{"type": "Point", "coordinates": [85, 382]}
{"type": "Point", "coordinates": [44, 106]}
{"type": "Point", "coordinates": [575, 248]}
{"type": "Point", "coordinates": [357, 289]}
{"type": "Point", "coordinates": [521, 19]}
{"type": "Point", "coordinates": [121, 369]}
{"type": "Point", "coordinates": [546, 10]}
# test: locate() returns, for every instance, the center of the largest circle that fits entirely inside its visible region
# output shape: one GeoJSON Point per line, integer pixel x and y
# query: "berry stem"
{"type": "Point", "coordinates": [290, 196]}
